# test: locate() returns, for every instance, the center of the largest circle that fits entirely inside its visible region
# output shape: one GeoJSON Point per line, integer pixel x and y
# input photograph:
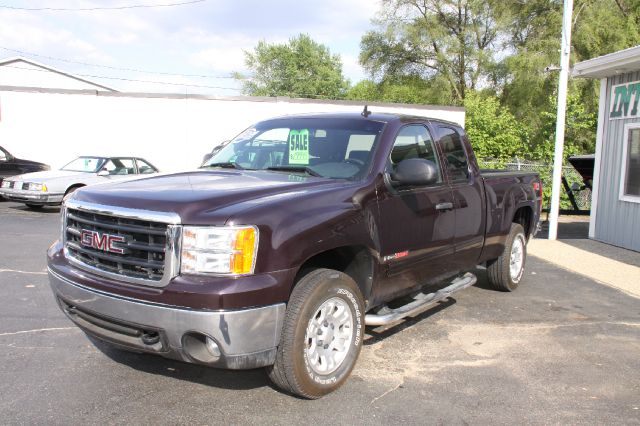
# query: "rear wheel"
{"type": "Point", "coordinates": [322, 335]}
{"type": "Point", "coordinates": [506, 272]}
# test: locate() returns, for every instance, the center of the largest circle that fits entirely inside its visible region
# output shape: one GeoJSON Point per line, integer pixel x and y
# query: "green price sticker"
{"type": "Point", "coordinates": [299, 146]}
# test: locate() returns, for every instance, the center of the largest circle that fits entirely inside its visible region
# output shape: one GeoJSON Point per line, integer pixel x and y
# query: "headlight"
{"type": "Point", "coordinates": [219, 250]}
{"type": "Point", "coordinates": [6, 183]}
{"type": "Point", "coordinates": [40, 187]}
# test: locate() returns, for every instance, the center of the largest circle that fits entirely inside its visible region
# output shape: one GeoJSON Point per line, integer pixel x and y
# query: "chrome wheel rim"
{"type": "Point", "coordinates": [329, 336]}
{"type": "Point", "coordinates": [517, 258]}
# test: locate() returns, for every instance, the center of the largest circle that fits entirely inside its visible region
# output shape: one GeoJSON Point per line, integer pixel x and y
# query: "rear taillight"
{"type": "Point", "coordinates": [537, 187]}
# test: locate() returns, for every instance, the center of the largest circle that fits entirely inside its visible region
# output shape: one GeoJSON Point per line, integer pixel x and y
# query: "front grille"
{"type": "Point", "coordinates": [143, 244]}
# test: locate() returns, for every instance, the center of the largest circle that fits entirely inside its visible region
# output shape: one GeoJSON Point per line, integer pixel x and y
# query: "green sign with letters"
{"type": "Point", "coordinates": [299, 147]}
{"type": "Point", "coordinates": [624, 100]}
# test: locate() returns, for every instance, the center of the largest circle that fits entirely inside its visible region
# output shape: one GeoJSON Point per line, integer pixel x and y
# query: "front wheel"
{"type": "Point", "coordinates": [506, 272]}
{"type": "Point", "coordinates": [322, 335]}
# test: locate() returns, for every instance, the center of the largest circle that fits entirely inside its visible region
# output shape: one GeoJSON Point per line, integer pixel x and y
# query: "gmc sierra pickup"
{"type": "Point", "coordinates": [288, 241]}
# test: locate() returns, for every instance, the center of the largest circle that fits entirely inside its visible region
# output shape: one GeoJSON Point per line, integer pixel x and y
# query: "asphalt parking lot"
{"type": "Point", "coordinates": [563, 349]}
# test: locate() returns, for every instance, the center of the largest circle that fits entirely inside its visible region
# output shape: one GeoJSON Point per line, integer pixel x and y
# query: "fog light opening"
{"type": "Point", "coordinates": [201, 348]}
{"type": "Point", "coordinates": [213, 348]}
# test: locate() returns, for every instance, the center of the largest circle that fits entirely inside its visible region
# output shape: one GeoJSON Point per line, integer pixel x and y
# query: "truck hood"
{"type": "Point", "coordinates": [204, 197]}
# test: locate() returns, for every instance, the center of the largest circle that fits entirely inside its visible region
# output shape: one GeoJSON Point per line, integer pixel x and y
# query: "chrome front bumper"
{"type": "Point", "coordinates": [31, 196]}
{"type": "Point", "coordinates": [246, 338]}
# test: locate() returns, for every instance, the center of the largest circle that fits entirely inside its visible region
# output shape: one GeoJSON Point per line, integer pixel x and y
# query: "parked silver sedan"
{"type": "Point", "coordinates": [50, 187]}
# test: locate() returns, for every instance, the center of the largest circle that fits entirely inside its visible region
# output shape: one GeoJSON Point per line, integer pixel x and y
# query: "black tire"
{"type": "Point", "coordinates": [34, 206]}
{"type": "Point", "coordinates": [499, 270]}
{"type": "Point", "coordinates": [294, 370]}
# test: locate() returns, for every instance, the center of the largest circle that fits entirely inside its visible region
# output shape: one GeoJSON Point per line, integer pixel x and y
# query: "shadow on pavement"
{"type": "Point", "coordinates": [208, 376]}
{"type": "Point", "coordinates": [567, 230]}
{"type": "Point", "coordinates": [377, 334]}
{"type": "Point", "coordinates": [44, 209]}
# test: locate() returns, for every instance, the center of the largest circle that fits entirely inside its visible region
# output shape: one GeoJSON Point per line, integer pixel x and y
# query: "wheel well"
{"type": "Point", "coordinates": [524, 216]}
{"type": "Point", "coordinates": [355, 261]}
{"type": "Point", "coordinates": [73, 188]}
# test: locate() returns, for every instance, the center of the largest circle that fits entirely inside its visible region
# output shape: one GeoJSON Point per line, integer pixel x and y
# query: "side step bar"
{"type": "Point", "coordinates": [386, 316]}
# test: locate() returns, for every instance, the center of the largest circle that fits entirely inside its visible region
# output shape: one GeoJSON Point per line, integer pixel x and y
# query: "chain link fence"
{"type": "Point", "coordinates": [581, 194]}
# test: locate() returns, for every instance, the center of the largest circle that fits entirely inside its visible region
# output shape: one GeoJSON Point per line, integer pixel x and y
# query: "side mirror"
{"type": "Point", "coordinates": [103, 173]}
{"type": "Point", "coordinates": [415, 172]}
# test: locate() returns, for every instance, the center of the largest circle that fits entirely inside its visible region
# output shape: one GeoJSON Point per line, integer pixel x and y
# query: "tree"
{"type": "Point", "coordinates": [532, 36]}
{"type": "Point", "coordinates": [300, 68]}
{"type": "Point", "coordinates": [448, 39]}
{"type": "Point", "coordinates": [406, 90]}
{"type": "Point", "coordinates": [493, 130]}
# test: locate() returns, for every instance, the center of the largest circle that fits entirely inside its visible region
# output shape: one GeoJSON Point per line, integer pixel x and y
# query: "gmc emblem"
{"type": "Point", "coordinates": [100, 241]}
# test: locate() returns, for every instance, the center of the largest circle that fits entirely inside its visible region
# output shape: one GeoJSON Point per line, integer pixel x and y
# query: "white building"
{"type": "Point", "coordinates": [52, 117]}
{"type": "Point", "coordinates": [615, 208]}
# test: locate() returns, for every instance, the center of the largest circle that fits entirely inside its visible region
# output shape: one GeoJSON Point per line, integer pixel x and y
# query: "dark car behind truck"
{"type": "Point", "coordinates": [291, 238]}
{"type": "Point", "coordinates": [12, 166]}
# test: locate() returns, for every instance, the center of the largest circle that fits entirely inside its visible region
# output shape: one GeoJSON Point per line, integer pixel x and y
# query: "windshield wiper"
{"type": "Point", "coordinates": [226, 165]}
{"type": "Point", "coordinates": [303, 169]}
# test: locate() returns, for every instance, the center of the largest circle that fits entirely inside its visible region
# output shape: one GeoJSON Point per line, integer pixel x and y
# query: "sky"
{"type": "Point", "coordinates": [204, 38]}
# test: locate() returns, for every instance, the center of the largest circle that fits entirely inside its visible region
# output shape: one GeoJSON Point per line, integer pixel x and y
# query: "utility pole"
{"type": "Point", "coordinates": [565, 52]}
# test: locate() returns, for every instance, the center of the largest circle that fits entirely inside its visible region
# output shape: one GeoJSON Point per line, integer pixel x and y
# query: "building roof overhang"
{"type": "Point", "coordinates": [620, 62]}
{"type": "Point", "coordinates": [17, 59]}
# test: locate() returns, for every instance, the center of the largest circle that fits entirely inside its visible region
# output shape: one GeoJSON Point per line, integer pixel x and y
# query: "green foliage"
{"type": "Point", "coordinates": [580, 129]}
{"type": "Point", "coordinates": [300, 68]}
{"type": "Point", "coordinates": [502, 48]}
{"type": "Point", "coordinates": [451, 40]}
{"type": "Point", "coordinates": [494, 132]}
{"type": "Point", "coordinates": [407, 90]}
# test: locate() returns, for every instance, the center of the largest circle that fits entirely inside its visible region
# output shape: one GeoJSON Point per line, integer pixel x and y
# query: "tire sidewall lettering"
{"type": "Point", "coordinates": [337, 375]}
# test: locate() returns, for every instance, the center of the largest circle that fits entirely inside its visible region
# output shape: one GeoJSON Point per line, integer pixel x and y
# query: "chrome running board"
{"type": "Point", "coordinates": [386, 315]}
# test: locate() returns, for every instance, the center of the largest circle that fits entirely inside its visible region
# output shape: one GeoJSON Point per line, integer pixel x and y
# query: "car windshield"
{"type": "Point", "coordinates": [84, 164]}
{"type": "Point", "coordinates": [337, 148]}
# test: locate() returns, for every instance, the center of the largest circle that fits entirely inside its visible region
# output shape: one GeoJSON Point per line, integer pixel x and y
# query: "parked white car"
{"type": "Point", "coordinates": [50, 187]}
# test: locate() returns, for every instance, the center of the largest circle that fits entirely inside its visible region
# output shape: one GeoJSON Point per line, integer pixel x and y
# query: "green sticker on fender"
{"type": "Point", "coordinates": [299, 146]}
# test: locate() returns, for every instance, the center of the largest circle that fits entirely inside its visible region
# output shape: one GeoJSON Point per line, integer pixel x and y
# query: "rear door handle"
{"type": "Point", "coordinates": [444, 206]}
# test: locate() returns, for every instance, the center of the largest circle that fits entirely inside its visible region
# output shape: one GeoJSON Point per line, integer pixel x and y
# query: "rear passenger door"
{"type": "Point", "coordinates": [468, 197]}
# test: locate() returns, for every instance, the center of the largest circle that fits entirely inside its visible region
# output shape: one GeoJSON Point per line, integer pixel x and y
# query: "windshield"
{"type": "Point", "coordinates": [84, 164]}
{"type": "Point", "coordinates": [327, 147]}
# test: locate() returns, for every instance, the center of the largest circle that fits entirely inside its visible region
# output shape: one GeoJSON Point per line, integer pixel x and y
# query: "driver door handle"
{"type": "Point", "coordinates": [444, 206]}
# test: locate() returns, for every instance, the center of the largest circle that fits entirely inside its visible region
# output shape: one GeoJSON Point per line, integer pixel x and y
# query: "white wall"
{"type": "Point", "coordinates": [172, 132]}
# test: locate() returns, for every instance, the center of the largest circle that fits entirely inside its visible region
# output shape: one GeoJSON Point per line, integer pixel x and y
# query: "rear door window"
{"type": "Point", "coordinates": [120, 166]}
{"type": "Point", "coordinates": [144, 167]}
{"type": "Point", "coordinates": [457, 165]}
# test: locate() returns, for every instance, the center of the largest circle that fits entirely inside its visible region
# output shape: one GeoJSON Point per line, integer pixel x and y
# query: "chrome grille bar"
{"type": "Point", "coordinates": [150, 241]}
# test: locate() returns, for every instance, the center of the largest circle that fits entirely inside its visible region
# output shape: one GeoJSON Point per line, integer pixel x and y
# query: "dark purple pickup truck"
{"type": "Point", "coordinates": [288, 241]}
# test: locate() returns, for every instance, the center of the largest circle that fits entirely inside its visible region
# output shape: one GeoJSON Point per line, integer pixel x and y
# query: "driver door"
{"type": "Point", "coordinates": [416, 223]}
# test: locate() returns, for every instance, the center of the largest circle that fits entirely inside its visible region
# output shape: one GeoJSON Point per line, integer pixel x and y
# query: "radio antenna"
{"type": "Point", "coordinates": [365, 112]}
